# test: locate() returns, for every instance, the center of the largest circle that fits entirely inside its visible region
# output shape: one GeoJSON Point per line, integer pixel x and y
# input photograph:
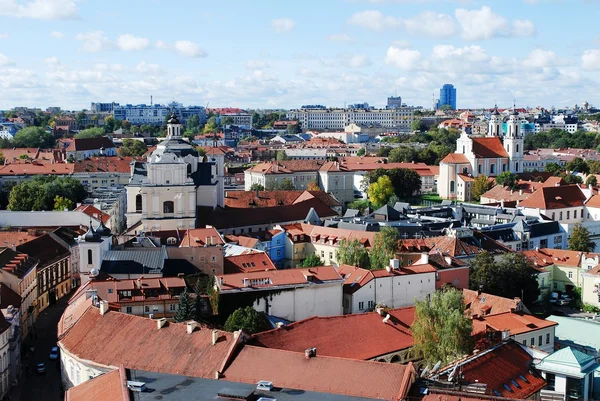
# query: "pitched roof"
{"type": "Point", "coordinates": [488, 147]}
{"type": "Point", "coordinates": [108, 386]}
{"type": "Point", "coordinates": [387, 381]}
{"type": "Point", "coordinates": [8, 297]}
{"type": "Point", "coordinates": [107, 290]}
{"type": "Point", "coordinates": [561, 257]}
{"type": "Point", "coordinates": [505, 369]}
{"type": "Point", "coordinates": [255, 262]}
{"type": "Point", "coordinates": [116, 339]}
{"type": "Point", "coordinates": [576, 332]}
{"type": "Point", "coordinates": [480, 303]}
{"type": "Point", "coordinates": [199, 237]}
{"type": "Point", "coordinates": [449, 245]}
{"type": "Point", "coordinates": [500, 192]}
{"type": "Point", "coordinates": [287, 167]}
{"type": "Point", "coordinates": [453, 158]}
{"type": "Point", "coordinates": [267, 279]}
{"type": "Point", "coordinates": [369, 338]}
{"type": "Point", "coordinates": [45, 249]}
{"type": "Point", "coordinates": [36, 168]}
{"type": "Point", "coordinates": [516, 323]}
{"type": "Point", "coordinates": [93, 212]}
{"type": "Point", "coordinates": [569, 356]}
{"type": "Point", "coordinates": [104, 164]}
{"type": "Point", "coordinates": [555, 198]}
{"type": "Point", "coordinates": [81, 144]}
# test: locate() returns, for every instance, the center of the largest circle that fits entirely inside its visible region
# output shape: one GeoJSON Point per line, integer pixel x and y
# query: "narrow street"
{"type": "Point", "coordinates": [47, 386]}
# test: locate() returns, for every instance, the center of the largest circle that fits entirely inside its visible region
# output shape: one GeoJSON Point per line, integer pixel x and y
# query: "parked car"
{"type": "Point", "coordinates": [54, 353]}
{"type": "Point", "coordinates": [40, 368]}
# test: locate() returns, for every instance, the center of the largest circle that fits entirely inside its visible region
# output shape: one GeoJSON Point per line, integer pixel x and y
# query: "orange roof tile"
{"type": "Point", "coordinates": [254, 262]}
{"type": "Point", "coordinates": [516, 323]}
{"type": "Point", "coordinates": [488, 147]}
{"type": "Point", "coordinates": [93, 212]}
{"type": "Point", "coordinates": [555, 198]}
{"type": "Point", "coordinates": [36, 168]}
{"type": "Point", "coordinates": [386, 381]}
{"type": "Point", "coordinates": [545, 256]}
{"type": "Point", "coordinates": [287, 167]}
{"type": "Point", "coordinates": [108, 386]}
{"type": "Point", "coordinates": [370, 337]}
{"type": "Point", "coordinates": [198, 237]}
{"type": "Point", "coordinates": [455, 158]}
{"type": "Point", "coordinates": [481, 303]}
{"type": "Point", "coordinates": [594, 201]}
{"type": "Point", "coordinates": [105, 164]}
{"type": "Point", "coordinates": [274, 278]}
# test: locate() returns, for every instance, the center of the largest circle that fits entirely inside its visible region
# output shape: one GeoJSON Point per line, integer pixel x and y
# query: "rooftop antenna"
{"type": "Point", "coordinates": [150, 100]}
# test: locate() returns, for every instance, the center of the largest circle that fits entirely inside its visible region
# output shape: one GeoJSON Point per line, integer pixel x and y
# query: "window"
{"type": "Point", "coordinates": [525, 342]}
{"type": "Point", "coordinates": [570, 274]}
{"type": "Point", "coordinates": [146, 309]}
{"type": "Point", "coordinates": [533, 341]}
{"type": "Point", "coordinates": [547, 338]}
{"type": "Point", "coordinates": [517, 147]}
{"type": "Point", "coordinates": [451, 186]}
{"type": "Point", "coordinates": [89, 256]}
{"type": "Point", "coordinates": [330, 255]}
{"type": "Point", "coordinates": [560, 215]}
{"type": "Point", "coordinates": [479, 168]}
{"type": "Point", "coordinates": [279, 252]}
{"type": "Point", "coordinates": [110, 290]}
{"type": "Point", "coordinates": [539, 341]}
{"type": "Point", "coordinates": [172, 307]}
{"type": "Point", "coordinates": [361, 306]}
{"type": "Point", "coordinates": [503, 166]}
{"type": "Point", "coordinates": [322, 254]}
{"type": "Point", "coordinates": [568, 214]}
{"type": "Point", "coordinates": [371, 304]}
{"type": "Point", "coordinates": [168, 207]}
{"type": "Point", "coordinates": [129, 309]}
{"type": "Point", "coordinates": [507, 148]}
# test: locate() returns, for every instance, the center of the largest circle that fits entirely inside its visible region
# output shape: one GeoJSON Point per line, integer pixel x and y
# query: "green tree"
{"type": "Point", "coordinates": [281, 155]}
{"type": "Point", "coordinates": [110, 124]}
{"type": "Point", "coordinates": [380, 191]}
{"type": "Point", "coordinates": [256, 187]}
{"type": "Point", "coordinates": [293, 129]}
{"type": "Point", "coordinates": [90, 133]}
{"type": "Point", "coordinates": [33, 137]}
{"type": "Point", "coordinates": [446, 107]}
{"type": "Point", "coordinates": [578, 165]}
{"type": "Point", "coordinates": [383, 151]}
{"type": "Point", "coordinates": [186, 309]}
{"type": "Point", "coordinates": [572, 179]}
{"type": "Point", "coordinates": [385, 245]}
{"type": "Point", "coordinates": [592, 181]}
{"type": "Point", "coordinates": [61, 203]}
{"type": "Point", "coordinates": [361, 152]}
{"type": "Point", "coordinates": [40, 192]}
{"type": "Point", "coordinates": [512, 276]}
{"type": "Point", "coordinates": [132, 147]}
{"type": "Point", "coordinates": [193, 122]}
{"type": "Point", "coordinates": [553, 168]}
{"type": "Point", "coordinates": [580, 239]}
{"type": "Point", "coordinates": [353, 253]}
{"type": "Point", "coordinates": [594, 166]}
{"type": "Point", "coordinates": [80, 117]}
{"type": "Point", "coordinates": [508, 179]}
{"type": "Point", "coordinates": [311, 261]}
{"type": "Point", "coordinates": [247, 319]}
{"type": "Point", "coordinates": [406, 182]}
{"type": "Point", "coordinates": [480, 186]}
{"type": "Point", "coordinates": [402, 154]}
{"type": "Point", "coordinates": [210, 126]}
{"type": "Point", "coordinates": [417, 125]}
{"type": "Point", "coordinates": [441, 330]}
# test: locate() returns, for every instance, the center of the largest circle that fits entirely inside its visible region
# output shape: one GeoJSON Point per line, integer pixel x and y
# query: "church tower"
{"type": "Point", "coordinates": [495, 126]}
{"type": "Point", "coordinates": [513, 142]}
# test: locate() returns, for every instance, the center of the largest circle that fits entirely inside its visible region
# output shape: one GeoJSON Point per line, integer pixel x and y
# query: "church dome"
{"type": "Point", "coordinates": [103, 231]}
{"type": "Point", "coordinates": [91, 235]}
{"type": "Point", "coordinates": [173, 119]}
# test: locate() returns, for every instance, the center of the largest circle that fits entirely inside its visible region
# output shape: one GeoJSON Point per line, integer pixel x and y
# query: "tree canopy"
{"type": "Point", "coordinates": [402, 154]}
{"type": "Point", "coordinates": [90, 133]}
{"type": "Point", "coordinates": [39, 193]}
{"type": "Point", "coordinates": [353, 253]}
{"type": "Point", "coordinates": [480, 186]}
{"type": "Point", "coordinates": [311, 261]}
{"type": "Point", "coordinates": [553, 168]}
{"type": "Point", "coordinates": [381, 191]}
{"type": "Point", "coordinates": [256, 187]}
{"type": "Point", "coordinates": [132, 147]}
{"type": "Point", "coordinates": [186, 309]}
{"type": "Point", "coordinates": [580, 239]}
{"type": "Point", "coordinates": [406, 182]}
{"type": "Point", "coordinates": [33, 137]}
{"type": "Point", "coordinates": [361, 152]}
{"type": "Point", "coordinates": [61, 203]}
{"type": "Point", "coordinates": [247, 319]}
{"type": "Point", "coordinates": [281, 155]}
{"type": "Point", "coordinates": [512, 276]}
{"type": "Point", "coordinates": [508, 179]}
{"type": "Point", "coordinates": [441, 330]}
{"type": "Point", "coordinates": [578, 165]}
{"type": "Point", "coordinates": [592, 181]}
{"type": "Point", "coordinates": [385, 245]}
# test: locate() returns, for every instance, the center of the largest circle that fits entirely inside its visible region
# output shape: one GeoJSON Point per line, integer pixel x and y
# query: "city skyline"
{"type": "Point", "coordinates": [269, 55]}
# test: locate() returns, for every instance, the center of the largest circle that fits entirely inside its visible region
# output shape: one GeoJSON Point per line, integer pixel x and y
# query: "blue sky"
{"type": "Point", "coordinates": [282, 54]}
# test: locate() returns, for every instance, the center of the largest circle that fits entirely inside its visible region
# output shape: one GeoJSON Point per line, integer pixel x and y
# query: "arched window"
{"type": "Point", "coordinates": [516, 167]}
{"type": "Point", "coordinates": [508, 148]}
{"type": "Point", "coordinates": [189, 168]}
{"type": "Point", "coordinates": [395, 359]}
{"type": "Point", "coordinates": [464, 150]}
{"type": "Point", "coordinates": [517, 148]}
{"type": "Point", "coordinates": [168, 207]}
{"type": "Point", "coordinates": [89, 256]}
{"type": "Point", "coordinates": [138, 203]}
{"type": "Point", "coordinates": [451, 186]}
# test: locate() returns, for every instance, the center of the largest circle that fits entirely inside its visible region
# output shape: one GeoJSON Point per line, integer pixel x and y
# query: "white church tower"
{"type": "Point", "coordinates": [513, 142]}
{"type": "Point", "coordinates": [495, 126]}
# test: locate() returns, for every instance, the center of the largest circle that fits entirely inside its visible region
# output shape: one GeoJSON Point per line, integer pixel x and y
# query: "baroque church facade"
{"type": "Point", "coordinates": [474, 156]}
{"type": "Point", "coordinates": [165, 191]}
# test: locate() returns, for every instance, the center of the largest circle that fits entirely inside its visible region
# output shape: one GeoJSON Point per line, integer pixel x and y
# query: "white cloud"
{"type": "Point", "coordinates": [3, 36]}
{"type": "Point", "coordinates": [484, 24]}
{"type": "Point", "coordinates": [431, 24]}
{"type": "Point", "coordinates": [340, 38]}
{"type": "Point", "coordinates": [146, 68]}
{"type": "Point", "coordinates": [189, 49]}
{"type": "Point", "coordinates": [405, 59]}
{"type": "Point", "coordinates": [591, 60]}
{"type": "Point", "coordinates": [471, 54]}
{"type": "Point", "coordinates": [359, 61]}
{"type": "Point", "coordinates": [4, 61]}
{"type": "Point", "coordinates": [539, 58]}
{"type": "Point", "coordinates": [57, 35]}
{"type": "Point", "coordinates": [161, 45]}
{"type": "Point", "coordinates": [256, 65]}
{"type": "Point", "coordinates": [374, 20]}
{"type": "Point", "coordinates": [283, 25]}
{"type": "Point", "coordinates": [128, 42]}
{"type": "Point", "coordinates": [40, 9]}
{"type": "Point", "coordinates": [94, 41]}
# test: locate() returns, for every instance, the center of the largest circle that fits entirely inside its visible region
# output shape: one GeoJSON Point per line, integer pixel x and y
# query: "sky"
{"type": "Point", "coordinates": [284, 54]}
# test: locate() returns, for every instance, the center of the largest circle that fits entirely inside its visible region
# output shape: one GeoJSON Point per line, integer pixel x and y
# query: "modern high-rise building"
{"type": "Point", "coordinates": [447, 96]}
{"type": "Point", "coordinates": [394, 102]}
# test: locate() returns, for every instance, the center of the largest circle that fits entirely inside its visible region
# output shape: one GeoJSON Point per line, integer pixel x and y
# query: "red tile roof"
{"type": "Point", "coordinates": [500, 192]}
{"type": "Point", "coordinates": [276, 278]}
{"type": "Point", "coordinates": [255, 262]}
{"type": "Point", "coordinates": [369, 339]}
{"type": "Point", "coordinates": [109, 386]}
{"type": "Point", "coordinates": [455, 158]}
{"type": "Point", "coordinates": [287, 167]}
{"type": "Point", "coordinates": [498, 367]}
{"type": "Point", "coordinates": [481, 303]}
{"type": "Point", "coordinates": [488, 147]}
{"type": "Point", "coordinates": [117, 339]}
{"type": "Point", "coordinates": [104, 164]}
{"type": "Point", "coordinates": [456, 247]}
{"type": "Point", "coordinates": [82, 144]}
{"type": "Point", "coordinates": [440, 395]}
{"type": "Point", "coordinates": [36, 168]}
{"type": "Point", "coordinates": [555, 198]}
{"type": "Point", "coordinates": [594, 201]}
{"type": "Point", "coordinates": [546, 256]}
{"type": "Point", "coordinates": [516, 323]}
{"type": "Point", "coordinates": [93, 212]}
{"type": "Point", "coordinates": [107, 289]}
{"type": "Point", "coordinates": [287, 369]}
{"type": "Point", "coordinates": [248, 199]}
{"type": "Point", "coordinates": [198, 237]}
{"type": "Point", "coordinates": [14, 155]}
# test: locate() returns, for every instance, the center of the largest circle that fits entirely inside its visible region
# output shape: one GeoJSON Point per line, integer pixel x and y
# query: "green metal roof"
{"type": "Point", "coordinates": [577, 332]}
{"type": "Point", "coordinates": [569, 356]}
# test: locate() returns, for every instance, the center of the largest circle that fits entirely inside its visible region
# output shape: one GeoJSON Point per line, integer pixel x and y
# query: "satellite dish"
{"type": "Point", "coordinates": [94, 273]}
{"type": "Point", "coordinates": [436, 367]}
{"type": "Point", "coordinates": [425, 371]}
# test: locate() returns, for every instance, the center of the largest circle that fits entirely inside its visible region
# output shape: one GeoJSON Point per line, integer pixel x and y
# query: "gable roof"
{"type": "Point", "coordinates": [116, 339]}
{"type": "Point", "coordinates": [45, 249]}
{"type": "Point", "coordinates": [387, 381]}
{"type": "Point", "coordinates": [93, 212]}
{"type": "Point", "coordinates": [516, 323]}
{"type": "Point", "coordinates": [476, 302]}
{"type": "Point", "coordinates": [104, 164]}
{"type": "Point", "coordinates": [254, 262]}
{"type": "Point", "coordinates": [555, 198]}
{"type": "Point", "coordinates": [287, 167]}
{"type": "Point", "coordinates": [500, 192]}
{"type": "Point", "coordinates": [369, 338]}
{"type": "Point", "coordinates": [108, 386]}
{"type": "Point", "coordinates": [258, 280]}
{"type": "Point", "coordinates": [489, 147]}
{"type": "Point", "coordinates": [577, 332]}
{"type": "Point", "coordinates": [82, 144]}
{"type": "Point", "coordinates": [455, 158]}
{"type": "Point", "coordinates": [199, 237]}
{"type": "Point", "coordinates": [547, 256]}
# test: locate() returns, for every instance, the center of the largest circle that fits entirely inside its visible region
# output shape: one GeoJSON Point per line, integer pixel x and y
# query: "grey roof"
{"type": "Point", "coordinates": [352, 213]}
{"type": "Point", "coordinates": [151, 259]}
{"type": "Point", "coordinates": [177, 146]}
{"type": "Point", "coordinates": [578, 333]}
{"type": "Point", "coordinates": [176, 388]}
{"type": "Point", "coordinates": [139, 174]}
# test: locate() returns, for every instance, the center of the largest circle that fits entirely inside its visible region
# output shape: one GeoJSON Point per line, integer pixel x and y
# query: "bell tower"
{"type": "Point", "coordinates": [495, 126]}
{"type": "Point", "coordinates": [513, 142]}
{"type": "Point", "coordinates": [174, 127]}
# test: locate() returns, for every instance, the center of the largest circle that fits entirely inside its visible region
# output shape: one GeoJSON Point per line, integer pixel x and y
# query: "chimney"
{"type": "Point", "coordinates": [226, 193]}
{"type": "Point", "coordinates": [103, 307]}
{"type": "Point", "coordinates": [386, 318]}
{"type": "Point", "coordinates": [502, 203]}
{"type": "Point", "coordinates": [310, 353]}
{"type": "Point", "coordinates": [160, 323]}
{"type": "Point", "coordinates": [13, 247]}
{"type": "Point", "coordinates": [448, 260]}
{"type": "Point", "coordinates": [191, 326]}
{"type": "Point", "coordinates": [388, 268]}
{"type": "Point", "coordinates": [215, 336]}
{"type": "Point", "coordinates": [520, 192]}
{"type": "Point", "coordinates": [424, 258]}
